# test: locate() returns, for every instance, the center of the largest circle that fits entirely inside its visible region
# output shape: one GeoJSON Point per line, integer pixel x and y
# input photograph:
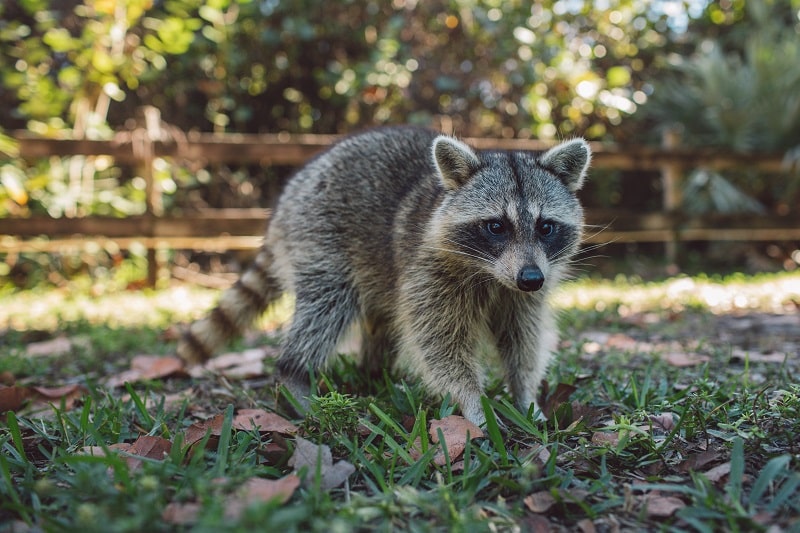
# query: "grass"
{"type": "Point", "coordinates": [637, 432]}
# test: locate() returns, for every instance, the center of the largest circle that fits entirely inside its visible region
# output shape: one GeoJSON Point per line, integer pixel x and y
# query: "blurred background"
{"type": "Point", "coordinates": [693, 106]}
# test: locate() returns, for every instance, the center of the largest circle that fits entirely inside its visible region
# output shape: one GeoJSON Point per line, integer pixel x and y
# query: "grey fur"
{"type": "Point", "coordinates": [393, 229]}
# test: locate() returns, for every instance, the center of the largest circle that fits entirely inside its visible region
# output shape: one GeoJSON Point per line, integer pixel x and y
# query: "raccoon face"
{"type": "Point", "coordinates": [510, 215]}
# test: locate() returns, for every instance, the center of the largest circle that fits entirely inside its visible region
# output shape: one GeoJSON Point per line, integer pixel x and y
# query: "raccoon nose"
{"type": "Point", "coordinates": [530, 278]}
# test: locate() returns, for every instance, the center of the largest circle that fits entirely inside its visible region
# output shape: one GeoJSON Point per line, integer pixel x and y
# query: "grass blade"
{"type": "Point", "coordinates": [224, 441]}
{"type": "Point", "coordinates": [16, 435]}
{"type": "Point", "coordinates": [736, 476]}
{"type": "Point", "coordinates": [140, 406]}
{"type": "Point", "coordinates": [493, 429]}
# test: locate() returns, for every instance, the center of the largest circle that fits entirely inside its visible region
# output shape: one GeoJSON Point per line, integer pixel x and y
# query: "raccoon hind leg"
{"type": "Point", "coordinates": [324, 310]}
{"type": "Point", "coordinates": [378, 347]}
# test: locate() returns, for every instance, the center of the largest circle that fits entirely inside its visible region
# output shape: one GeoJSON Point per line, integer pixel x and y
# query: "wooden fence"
{"type": "Point", "coordinates": [224, 229]}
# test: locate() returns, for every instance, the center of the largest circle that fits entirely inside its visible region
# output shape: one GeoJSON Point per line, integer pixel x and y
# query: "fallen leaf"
{"type": "Point", "coordinates": [664, 422]}
{"type": "Point", "coordinates": [185, 513]}
{"type": "Point", "coordinates": [718, 472]}
{"type": "Point", "coordinates": [98, 451]}
{"type": "Point", "coordinates": [456, 430]}
{"type": "Point", "coordinates": [549, 402]}
{"type": "Point", "coordinates": [662, 506]}
{"type": "Point", "coordinates": [263, 490]}
{"type": "Point", "coordinates": [274, 453]}
{"type": "Point", "coordinates": [539, 502]}
{"type": "Point", "coordinates": [58, 346]}
{"type": "Point", "coordinates": [237, 365]}
{"type": "Point", "coordinates": [197, 431]}
{"type": "Point", "coordinates": [684, 359]}
{"type": "Point", "coordinates": [307, 454]}
{"type": "Point", "coordinates": [253, 491]}
{"type": "Point", "coordinates": [147, 447]}
{"type": "Point", "coordinates": [14, 397]}
{"type": "Point", "coordinates": [699, 460]}
{"type": "Point", "coordinates": [263, 421]}
{"type": "Point", "coordinates": [535, 523]}
{"type": "Point", "coordinates": [605, 438]}
{"type": "Point", "coordinates": [589, 415]}
{"type": "Point", "coordinates": [586, 526]}
{"type": "Point", "coordinates": [620, 341]}
{"type": "Point", "coordinates": [146, 367]}
{"type": "Point", "coordinates": [755, 357]}
{"type": "Point", "coordinates": [415, 449]}
{"type": "Point", "coordinates": [54, 393]}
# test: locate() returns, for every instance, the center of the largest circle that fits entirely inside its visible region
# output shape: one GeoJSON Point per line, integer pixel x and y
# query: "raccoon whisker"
{"type": "Point", "coordinates": [478, 253]}
{"type": "Point", "coordinates": [590, 248]}
{"type": "Point", "coordinates": [560, 252]}
{"type": "Point", "coordinates": [459, 252]}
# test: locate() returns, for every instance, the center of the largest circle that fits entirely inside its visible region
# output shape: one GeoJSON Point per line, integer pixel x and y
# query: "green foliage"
{"type": "Point", "coordinates": [334, 413]}
{"type": "Point", "coordinates": [741, 94]}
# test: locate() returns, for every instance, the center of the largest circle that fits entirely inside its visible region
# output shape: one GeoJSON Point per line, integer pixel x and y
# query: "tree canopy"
{"type": "Point", "coordinates": [613, 70]}
{"type": "Point", "coordinates": [482, 67]}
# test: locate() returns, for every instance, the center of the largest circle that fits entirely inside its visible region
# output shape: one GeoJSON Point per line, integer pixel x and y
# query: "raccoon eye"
{"type": "Point", "coordinates": [495, 227]}
{"type": "Point", "coordinates": [546, 228]}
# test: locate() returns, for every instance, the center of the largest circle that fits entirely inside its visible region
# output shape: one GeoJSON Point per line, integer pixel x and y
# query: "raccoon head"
{"type": "Point", "coordinates": [511, 215]}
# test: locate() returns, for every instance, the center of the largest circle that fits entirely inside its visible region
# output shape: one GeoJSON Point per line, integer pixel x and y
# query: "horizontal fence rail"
{"type": "Point", "coordinates": [223, 229]}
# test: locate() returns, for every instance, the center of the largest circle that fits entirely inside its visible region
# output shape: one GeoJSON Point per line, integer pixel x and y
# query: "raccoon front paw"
{"type": "Point", "coordinates": [474, 413]}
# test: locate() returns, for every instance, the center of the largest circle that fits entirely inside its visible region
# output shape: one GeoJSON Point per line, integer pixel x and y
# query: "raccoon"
{"type": "Point", "coordinates": [439, 253]}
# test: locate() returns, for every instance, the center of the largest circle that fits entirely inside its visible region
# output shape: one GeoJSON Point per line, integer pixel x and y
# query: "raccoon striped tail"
{"type": "Point", "coordinates": [237, 309]}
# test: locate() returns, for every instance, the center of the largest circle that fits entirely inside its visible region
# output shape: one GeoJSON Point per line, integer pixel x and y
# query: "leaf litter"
{"type": "Point", "coordinates": [315, 463]}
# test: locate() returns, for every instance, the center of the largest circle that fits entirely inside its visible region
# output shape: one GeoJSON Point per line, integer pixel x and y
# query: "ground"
{"type": "Point", "coordinates": [674, 405]}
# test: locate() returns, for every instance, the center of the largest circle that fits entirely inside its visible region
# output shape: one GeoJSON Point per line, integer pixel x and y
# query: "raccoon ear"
{"type": "Point", "coordinates": [569, 161]}
{"type": "Point", "coordinates": [455, 161]}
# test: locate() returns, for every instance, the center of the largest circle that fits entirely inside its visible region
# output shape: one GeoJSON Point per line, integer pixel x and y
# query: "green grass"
{"type": "Point", "coordinates": [605, 449]}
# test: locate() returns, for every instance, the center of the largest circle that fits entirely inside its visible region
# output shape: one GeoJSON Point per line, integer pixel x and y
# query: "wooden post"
{"type": "Point", "coordinates": [144, 147]}
{"type": "Point", "coordinates": [672, 194]}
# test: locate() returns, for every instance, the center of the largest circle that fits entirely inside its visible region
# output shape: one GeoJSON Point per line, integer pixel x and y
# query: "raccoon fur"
{"type": "Point", "coordinates": [440, 253]}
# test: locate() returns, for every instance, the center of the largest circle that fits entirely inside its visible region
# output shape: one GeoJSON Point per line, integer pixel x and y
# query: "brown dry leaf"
{"type": "Point", "coordinates": [14, 397]}
{"type": "Point", "coordinates": [742, 355]}
{"type": "Point", "coordinates": [307, 454]}
{"type": "Point", "coordinates": [549, 402]}
{"type": "Point", "coordinates": [263, 421]}
{"type": "Point", "coordinates": [237, 365]}
{"type": "Point", "coordinates": [58, 346]}
{"type": "Point", "coordinates": [664, 422]}
{"type": "Point", "coordinates": [684, 359]}
{"type": "Point", "coordinates": [588, 414]}
{"type": "Point", "coordinates": [535, 523]}
{"type": "Point", "coordinates": [147, 447]}
{"type": "Point", "coordinates": [623, 342]}
{"type": "Point", "coordinates": [197, 431]}
{"type": "Point", "coordinates": [718, 472]}
{"type": "Point", "coordinates": [605, 438]}
{"type": "Point", "coordinates": [455, 430]}
{"type": "Point", "coordinates": [182, 514]}
{"type": "Point", "coordinates": [415, 450]}
{"type": "Point", "coordinates": [274, 453]}
{"type": "Point", "coordinates": [263, 490]}
{"type": "Point", "coordinates": [145, 367]}
{"type": "Point", "coordinates": [56, 393]}
{"type": "Point", "coordinates": [662, 506]}
{"type": "Point", "coordinates": [539, 502]}
{"type": "Point", "coordinates": [98, 451]}
{"type": "Point", "coordinates": [699, 460]}
{"type": "Point", "coordinates": [586, 526]}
